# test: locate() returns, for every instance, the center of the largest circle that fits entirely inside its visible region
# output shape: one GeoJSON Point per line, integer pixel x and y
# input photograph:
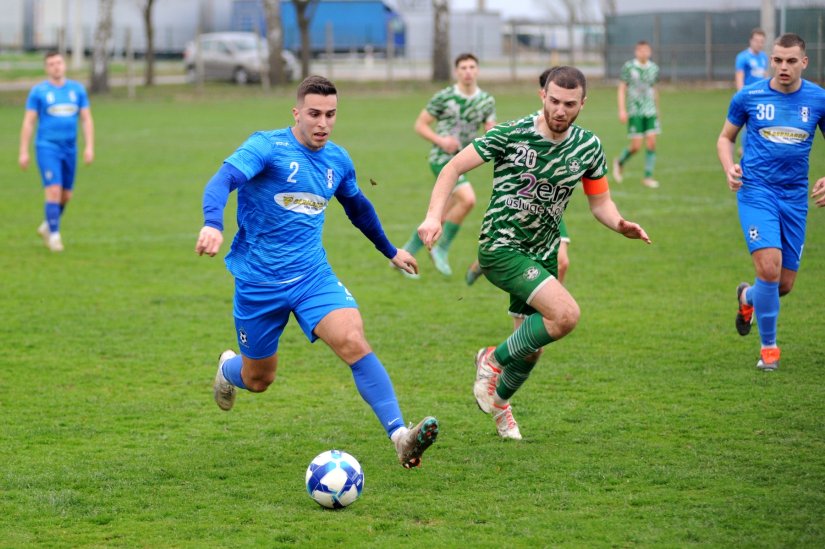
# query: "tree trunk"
{"type": "Point", "coordinates": [441, 41]}
{"type": "Point", "coordinates": [149, 28]}
{"type": "Point", "coordinates": [100, 54]}
{"type": "Point", "coordinates": [275, 41]}
{"type": "Point", "coordinates": [304, 10]}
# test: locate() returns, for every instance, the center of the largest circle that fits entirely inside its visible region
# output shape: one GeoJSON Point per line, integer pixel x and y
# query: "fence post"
{"type": "Point", "coordinates": [708, 48]}
{"type": "Point", "coordinates": [130, 64]}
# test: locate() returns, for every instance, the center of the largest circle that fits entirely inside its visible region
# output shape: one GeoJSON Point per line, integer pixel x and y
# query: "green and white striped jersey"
{"type": "Point", "coordinates": [640, 79]}
{"type": "Point", "coordinates": [460, 116]}
{"type": "Point", "coordinates": [533, 179]}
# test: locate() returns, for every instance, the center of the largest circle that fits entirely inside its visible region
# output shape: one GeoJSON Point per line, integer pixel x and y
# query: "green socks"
{"type": "Point", "coordinates": [447, 236]}
{"type": "Point", "coordinates": [650, 162]}
{"type": "Point", "coordinates": [414, 243]}
{"type": "Point", "coordinates": [529, 338]}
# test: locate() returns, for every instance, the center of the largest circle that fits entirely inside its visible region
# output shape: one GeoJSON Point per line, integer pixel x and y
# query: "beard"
{"type": "Point", "coordinates": [558, 126]}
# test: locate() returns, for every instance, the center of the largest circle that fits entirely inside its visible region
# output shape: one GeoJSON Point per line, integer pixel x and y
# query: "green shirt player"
{"type": "Point", "coordinates": [538, 162]}
{"type": "Point", "coordinates": [638, 108]}
{"type": "Point", "coordinates": [456, 112]}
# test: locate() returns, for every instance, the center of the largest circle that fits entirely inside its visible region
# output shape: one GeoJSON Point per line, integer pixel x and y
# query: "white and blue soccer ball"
{"type": "Point", "coordinates": [334, 479]}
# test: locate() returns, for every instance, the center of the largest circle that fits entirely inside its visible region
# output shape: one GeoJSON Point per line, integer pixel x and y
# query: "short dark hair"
{"type": "Point", "coordinates": [543, 77]}
{"type": "Point", "coordinates": [790, 40]}
{"type": "Point", "coordinates": [642, 43]}
{"type": "Point", "coordinates": [464, 57]}
{"type": "Point", "coordinates": [51, 53]}
{"type": "Point", "coordinates": [566, 77]}
{"type": "Point", "coordinates": [317, 85]}
{"type": "Point", "coordinates": [756, 31]}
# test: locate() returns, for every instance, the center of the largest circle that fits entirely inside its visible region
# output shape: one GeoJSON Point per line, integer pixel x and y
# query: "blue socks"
{"type": "Point", "coordinates": [232, 371]}
{"type": "Point", "coordinates": [765, 298]}
{"type": "Point", "coordinates": [375, 388]}
{"type": "Point", "coordinates": [53, 216]}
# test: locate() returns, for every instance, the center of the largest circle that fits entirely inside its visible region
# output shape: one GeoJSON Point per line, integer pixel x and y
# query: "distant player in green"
{"type": "Point", "coordinates": [458, 111]}
{"type": "Point", "coordinates": [538, 163]}
{"type": "Point", "coordinates": [638, 108]}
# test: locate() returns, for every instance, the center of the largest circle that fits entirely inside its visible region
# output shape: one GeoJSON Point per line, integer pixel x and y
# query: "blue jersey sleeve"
{"type": "Point", "coordinates": [253, 156]}
{"type": "Point", "coordinates": [741, 61]}
{"type": "Point", "coordinates": [217, 192]}
{"type": "Point", "coordinates": [33, 101]}
{"type": "Point", "coordinates": [82, 97]}
{"type": "Point", "coordinates": [349, 184]}
{"type": "Point", "coordinates": [737, 114]}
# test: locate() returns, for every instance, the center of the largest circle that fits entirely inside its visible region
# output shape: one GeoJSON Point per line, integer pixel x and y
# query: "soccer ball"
{"type": "Point", "coordinates": [334, 479]}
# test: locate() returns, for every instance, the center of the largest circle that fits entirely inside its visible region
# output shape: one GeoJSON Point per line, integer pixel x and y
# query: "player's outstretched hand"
{"type": "Point", "coordinates": [209, 241]}
{"type": "Point", "coordinates": [818, 192]}
{"type": "Point", "coordinates": [405, 261]}
{"type": "Point", "coordinates": [632, 230]}
{"type": "Point", "coordinates": [734, 175]}
{"type": "Point", "coordinates": [429, 231]}
{"type": "Point", "coordinates": [23, 161]}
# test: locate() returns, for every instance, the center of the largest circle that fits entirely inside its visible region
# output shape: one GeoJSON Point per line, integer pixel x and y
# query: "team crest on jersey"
{"type": "Point", "coordinates": [804, 113]}
{"type": "Point", "coordinates": [329, 178]}
{"type": "Point", "coordinates": [72, 96]}
{"type": "Point", "coordinates": [50, 97]}
{"type": "Point", "coordinates": [574, 165]}
{"type": "Point", "coordinates": [531, 273]}
{"type": "Point", "coordinates": [48, 175]}
{"type": "Point", "coordinates": [753, 233]}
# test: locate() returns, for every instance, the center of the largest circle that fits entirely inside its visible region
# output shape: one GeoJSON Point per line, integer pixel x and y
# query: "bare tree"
{"type": "Point", "coordinates": [304, 10]}
{"type": "Point", "coordinates": [149, 29]}
{"type": "Point", "coordinates": [441, 40]}
{"type": "Point", "coordinates": [100, 53]}
{"type": "Point", "coordinates": [275, 41]}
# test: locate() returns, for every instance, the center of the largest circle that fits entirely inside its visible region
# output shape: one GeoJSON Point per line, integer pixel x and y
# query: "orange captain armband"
{"type": "Point", "coordinates": [595, 186]}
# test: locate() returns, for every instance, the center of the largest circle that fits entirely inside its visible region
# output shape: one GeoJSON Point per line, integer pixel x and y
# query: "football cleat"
{"type": "Point", "coordinates": [439, 257]}
{"type": "Point", "coordinates": [55, 242]}
{"type": "Point", "coordinates": [650, 183]}
{"type": "Point", "coordinates": [474, 272]}
{"type": "Point", "coordinates": [223, 390]}
{"type": "Point", "coordinates": [768, 359]}
{"type": "Point", "coordinates": [505, 423]}
{"type": "Point", "coordinates": [744, 316]}
{"type": "Point", "coordinates": [486, 379]}
{"type": "Point", "coordinates": [411, 445]}
{"type": "Point", "coordinates": [617, 171]}
{"type": "Point", "coordinates": [43, 231]}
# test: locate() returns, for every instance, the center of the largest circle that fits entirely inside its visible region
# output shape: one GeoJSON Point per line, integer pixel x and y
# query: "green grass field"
{"type": "Point", "coordinates": [648, 426]}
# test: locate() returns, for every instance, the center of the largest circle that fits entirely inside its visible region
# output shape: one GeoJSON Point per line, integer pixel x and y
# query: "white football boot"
{"type": "Point", "coordinates": [223, 390]}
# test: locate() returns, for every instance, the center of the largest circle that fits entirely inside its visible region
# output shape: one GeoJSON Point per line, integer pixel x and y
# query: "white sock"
{"type": "Point", "coordinates": [398, 433]}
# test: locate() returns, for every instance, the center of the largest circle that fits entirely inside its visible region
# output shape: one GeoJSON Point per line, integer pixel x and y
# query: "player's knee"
{"type": "Point", "coordinates": [259, 382]}
{"type": "Point", "coordinates": [785, 288]}
{"type": "Point", "coordinates": [565, 321]}
{"type": "Point", "coordinates": [351, 346]}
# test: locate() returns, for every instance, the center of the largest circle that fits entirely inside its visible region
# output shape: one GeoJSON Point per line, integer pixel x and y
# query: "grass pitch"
{"type": "Point", "coordinates": [648, 426]}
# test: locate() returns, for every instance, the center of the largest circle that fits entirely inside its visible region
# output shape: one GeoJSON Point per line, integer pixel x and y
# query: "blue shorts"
{"type": "Point", "coordinates": [262, 311]}
{"type": "Point", "coordinates": [57, 166]}
{"type": "Point", "coordinates": [774, 218]}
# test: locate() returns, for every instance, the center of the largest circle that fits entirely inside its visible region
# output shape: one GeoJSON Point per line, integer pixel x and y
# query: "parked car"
{"type": "Point", "coordinates": [234, 56]}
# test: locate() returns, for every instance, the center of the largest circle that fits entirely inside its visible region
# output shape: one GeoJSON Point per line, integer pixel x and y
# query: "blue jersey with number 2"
{"type": "Point", "coordinates": [281, 206]}
{"type": "Point", "coordinates": [780, 132]}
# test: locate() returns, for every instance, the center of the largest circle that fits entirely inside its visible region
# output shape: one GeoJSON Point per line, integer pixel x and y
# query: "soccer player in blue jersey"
{"type": "Point", "coordinates": [55, 106]}
{"type": "Point", "coordinates": [285, 179]}
{"type": "Point", "coordinates": [781, 116]}
{"type": "Point", "coordinates": [751, 65]}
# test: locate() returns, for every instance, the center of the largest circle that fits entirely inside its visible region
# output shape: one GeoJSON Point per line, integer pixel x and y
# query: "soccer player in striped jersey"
{"type": "Point", "coordinates": [457, 111]}
{"type": "Point", "coordinates": [638, 108]}
{"type": "Point", "coordinates": [285, 179]}
{"type": "Point", "coordinates": [781, 116]}
{"type": "Point", "coordinates": [55, 106]}
{"type": "Point", "coordinates": [538, 162]}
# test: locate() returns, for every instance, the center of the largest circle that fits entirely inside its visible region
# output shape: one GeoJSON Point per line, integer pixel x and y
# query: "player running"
{"type": "Point", "coordinates": [538, 162]}
{"type": "Point", "coordinates": [781, 115]}
{"type": "Point", "coordinates": [285, 179]}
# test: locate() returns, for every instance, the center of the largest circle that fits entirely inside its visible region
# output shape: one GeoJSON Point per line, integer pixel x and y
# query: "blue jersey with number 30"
{"type": "Point", "coordinates": [281, 206]}
{"type": "Point", "coordinates": [780, 132]}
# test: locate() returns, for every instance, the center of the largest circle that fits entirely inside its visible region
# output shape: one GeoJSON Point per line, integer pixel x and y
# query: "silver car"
{"type": "Point", "coordinates": [232, 56]}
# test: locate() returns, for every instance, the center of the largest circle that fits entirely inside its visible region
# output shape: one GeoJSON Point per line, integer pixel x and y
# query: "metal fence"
{"type": "Point", "coordinates": [703, 45]}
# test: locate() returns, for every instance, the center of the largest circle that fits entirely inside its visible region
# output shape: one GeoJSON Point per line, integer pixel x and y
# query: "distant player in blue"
{"type": "Point", "coordinates": [55, 106]}
{"type": "Point", "coordinates": [782, 115]}
{"type": "Point", "coordinates": [285, 180]}
{"type": "Point", "coordinates": [751, 65]}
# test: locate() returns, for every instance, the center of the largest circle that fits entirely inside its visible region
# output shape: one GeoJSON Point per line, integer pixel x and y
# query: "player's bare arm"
{"type": "Point", "coordinates": [209, 241]}
{"type": "Point", "coordinates": [604, 209]}
{"type": "Point", "coordinates": [724, 149]}
{"type": "Point", "coordinates": [463, 162]}
{"type": "Point", "coordinates": [423, 127]}
{"type": "Point", "coordinates": [26, 131]}
{"type": "Point", "coordinates": [622, 94]}
{"type": "Point", "coordinates": [88, 135]}
{"type": "Point", "coordinates": [818, 192]}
